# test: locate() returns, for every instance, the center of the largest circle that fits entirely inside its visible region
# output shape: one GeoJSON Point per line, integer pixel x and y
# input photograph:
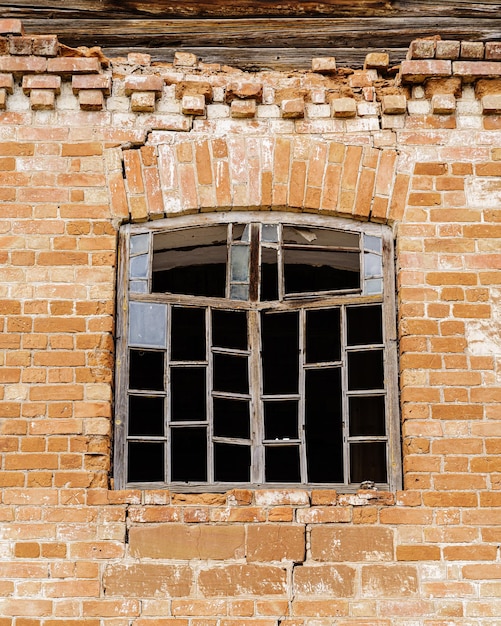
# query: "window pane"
{"type": "Point", "coordinates": [372, 265]}
{"type": "Point", "coordinates": [148, 324]}
{"type": "Point", "coordinates": [146, 370]}
{"type": "Point", "coordinates": [269, 275]}
{"type": "Point", "coordinates": [139, 244]}
{"type": "Point", "coordinates": [303, 235]}
{"type": "Point", "coordinates": [365, 325]}
{"type": "Point", "coordinates": [189, 454]}
{"type": "Point", "coordinates": [280, 352]}
{"type": "Point", "coordinates": [241, 232]}
{"type": "Point", "coordinates": [231, 418]}
{"type": "Point", "coordinates": [231, 373]}
{"type": "Point", "coordinates": [367, 416]}
{"type": "Point", "coordinates": [190, 261]}
{"type": "Point", "coordinates": [307, 271]}
{"type": "Point", "coordinates": [373, 286]}
{"type": "Point", "coordinates": [146, 415]}
{"type": "Point", "coordinates": [239, 292]}
{"type": "Point", "coordinates": [269, 233]}
{"type": "Point", "coordinates": [323, 424]}
{"type": "Point", "coordinates": [282, 464]}
{"type": "Point", "coordinates": [139, 266]}
{"type": "Point", "coordinates": [188, 334]}
{"type": "Point", "coordinates": [232, 463]}
{"type": "Point", "coordinates": [229, 329]}
{"type": "Point", "coordinates": [323, 336]}
{"type": "Point", "coordinates": [365, 370]}
{"type": "Point", "coordinates": [368, 462]}
{"type": "Point", "coordinates": [145, 462]}
{"type": "Point", "coordinates": [188, 394]}
{"type": "Point", "coordinates": [373, 243]}
{"type": "Point", "coordinates": [281, 419]}
{"type": "Point", "coordinates": [138, 286]}
{"type": "Point", "coordinates": [240, 264]}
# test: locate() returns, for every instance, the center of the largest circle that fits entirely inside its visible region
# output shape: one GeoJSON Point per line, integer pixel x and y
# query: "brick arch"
{"type": "Point", "coordinates": [239, 172]}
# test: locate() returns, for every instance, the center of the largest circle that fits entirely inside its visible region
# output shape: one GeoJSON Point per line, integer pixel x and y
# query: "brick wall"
{"type": "Point", "coordinates": [87, 144]}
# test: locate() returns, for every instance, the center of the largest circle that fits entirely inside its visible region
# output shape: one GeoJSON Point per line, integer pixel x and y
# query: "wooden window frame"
{"type": "Point", "coordinates": [339, 300]}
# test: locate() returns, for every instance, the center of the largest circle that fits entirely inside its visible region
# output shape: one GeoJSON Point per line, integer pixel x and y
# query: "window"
{"type": "Point", "coordinates": [256, 349]}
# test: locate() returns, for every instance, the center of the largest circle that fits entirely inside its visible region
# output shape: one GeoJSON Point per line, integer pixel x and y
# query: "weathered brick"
{"type": "Point", "coordinates": [148, 580]}
{"type": "Point", "coordinates": [363, 543]}
{"type": "Point", "coordinates": [174, 541]}
{"type": "Point", "coordinates": [242, 580]}
{"type": "Point", "coordinates": [275, 543]}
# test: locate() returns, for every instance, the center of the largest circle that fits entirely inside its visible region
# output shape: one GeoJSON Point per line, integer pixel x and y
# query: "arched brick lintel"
{"type": "Point", "coordinates": [287, 173]}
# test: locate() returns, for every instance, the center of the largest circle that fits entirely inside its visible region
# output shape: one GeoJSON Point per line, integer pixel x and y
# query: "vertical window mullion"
{"type": "Point", "coordinates": [210, 401]}
{"type": "Point", "coordinates": [301, 402]}
{"type": "Point", "coordinates": [167, 412]}
{"type": "Point", "coordinates": [257, 409]}
{"type": "Point", "coordinates": [344, 401]}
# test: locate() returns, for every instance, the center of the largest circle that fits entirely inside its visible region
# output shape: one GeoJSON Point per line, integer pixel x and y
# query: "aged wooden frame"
{"type": "Point", "coordinates": [302, 305]}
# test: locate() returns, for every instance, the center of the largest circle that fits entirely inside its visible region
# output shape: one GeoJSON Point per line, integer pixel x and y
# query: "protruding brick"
{"type": "Point", "coordinates": [447, 49]}
{"type": "Point", "coordinates": [143, 101]}
{"type": "Point", "coordinates": [418, 71]}
{"type": "Point", "coordinates": [343, 107]}
{"type": "Point", "coordinates": [491, 104]}
{"type": "Point", "coordinates": [443, 104]}
{"type": "Point", "coordinates": [7, 82]}
{"type": "Point", "coordinates": [275, 542]}
{"type": "Point", "coordinates": [45, 45]}
{"type": "Point", "coordinates": [72, 65]}
{"type": "Point", "coordinates": [91, 99]}
{"type": "Point", "coordinates": [422, 49]}
{"type": "Point", "coordinates": [194, 88]}
{"type": "Point", "coordinates": [21, 45]}
{"type": "Point", "coordinates": [44, 81]}
{"type": "Point", "coordinates": [91, 81]}
{"type": "Point", "coordinates": [473, 50]}
{"type": "Point", "coordinates": [377, 61]}
{"type": "Point", "coordinates": [193, 105]}
{"type": "Point", "coordinates": [42, 99]}
{"type": "Point", "coordinates": [470, 70]}
{"type": "Point", "coordinates": [139, 58]}
{"type": "Point", "coordinates": [323, 65]}
{"type": "Point", "coordinates": [293, 108]}
{"type": "Point", "coordinates": [150, 82]}
{"type": "Point", "coordinates": [3, 99]}
{"type": "Point", "coordinates": [243, 108]}
{"type": "Point", "coordinates": [11, 27]}
{"type": "Point", "coordinates": [493, 50]}
{"type": "Point", "coordinates": [244, 90]}
{"type": "Point", "coordinates": [184, 59]}
{"type": "Point", "coordinates": [394, 105]}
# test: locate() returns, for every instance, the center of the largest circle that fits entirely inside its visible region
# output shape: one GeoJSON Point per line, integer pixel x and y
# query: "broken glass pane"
{"type": "Point", "coordinates": [146, 370]}
{"type": "Point", "coordinates": [148, 324]}
{"type": "Point", "coordinates": [312, 270]}
{"type": "Point", "coordinates": [188, 394]}
{"type": "Point", "coordinates": [282, 464]}
{"type": "Point", "coordinates": [280, 352]}
{"type": "Point", "coordinates": [323, 336]}
{"type": "Point", "coordinates": [189, 454]}
{"type": "Point", "coordinates": [229, 329]}
{"type": "Point", "coordinates": [368, 462]}
{"type": "Point", "coordinates": [367, 416]}
{"type": "Point", "coordinates": [365, 370]}
{"type": "Point", "coordinates": [145, 462]}
{"type": "Point", "coordinates": [188, 334]}
{"type": "Point", "coordinates": [241, 232]}
{"type": "Point", "coordinates": [365, 325]}
{"type": "Point", "coordinates": [191, 261]}
{"type": "Point", "coordinates": [231, 373]}
{"type": "Point", "coordinates": [324, 237]}
{"type": "Point", "coordinates": [269, 274]}
{"type": "Point", "coordinates": [323, 425]}
{"type": "Point", "coordinates": [232, 463]}
{"type": "Point", "coordinates": [231, 418]}
{"type": "Point", "coordinates": [146, 415]}
{"type": "Point", "coordinates": [281, 419]}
